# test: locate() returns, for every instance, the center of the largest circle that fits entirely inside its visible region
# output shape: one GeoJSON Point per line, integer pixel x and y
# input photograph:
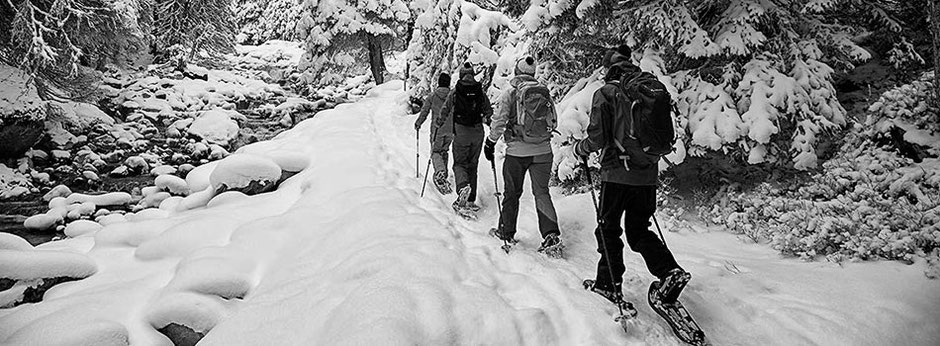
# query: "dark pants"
{"type": "Point", "coordinates": [638, 203]}
{"type": "Point", "coordinates": [468, 142]}
{"type": "Point", "coordinates": [540, 169]}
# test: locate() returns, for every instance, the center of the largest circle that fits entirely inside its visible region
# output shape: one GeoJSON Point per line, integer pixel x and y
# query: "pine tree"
{"type": "Point", "coordinates": [53, 38]}
{"type": "Point", "coordinates": [185, 28]}
{"type": "Point", "coordinates": [265, 20]}
{"type": "Point", "coordinates": [330, 27]}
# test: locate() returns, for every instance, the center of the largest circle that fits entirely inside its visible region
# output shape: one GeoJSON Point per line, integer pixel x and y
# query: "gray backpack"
{"type": "Point", "coordinates": [535, 113]}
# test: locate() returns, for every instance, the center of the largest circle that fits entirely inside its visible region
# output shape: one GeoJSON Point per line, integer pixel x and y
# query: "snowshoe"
{"type": "Point", "coordinates": [627, 311]}
{"type": "Point", "coordinates": [552, 246]}
{"type": "Point", "coordinates": [507, 243]}
{"type": "Point", "coordinates": [461, 205]}
{"type": "Point", "coordinates": [674, 312]}
{"type": "Point", "coordinates": [441, 183]}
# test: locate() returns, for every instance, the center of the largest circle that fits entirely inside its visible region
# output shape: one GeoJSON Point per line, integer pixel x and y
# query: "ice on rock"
{"type": "Point", "coordinates": [215, 126]}
{"type": "Point", "coordinates": [241, 171]}
{"type": "Point", "coordinates": [81, 227]}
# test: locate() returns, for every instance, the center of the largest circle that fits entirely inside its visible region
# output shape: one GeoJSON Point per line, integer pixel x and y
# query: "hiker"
{"type": "Point", "coordinates": [628, 186]}
{"type": "Point", "coordinates": [525, 121]}
{"type": "Point", "coordinates": [442, 131]}
{"type": "Point", "coordinates": [469, 107]}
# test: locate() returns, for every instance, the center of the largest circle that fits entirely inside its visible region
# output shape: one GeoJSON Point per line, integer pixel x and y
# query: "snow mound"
{"type": "Point", "coordinates": [241, 170]}
{"type": "Point", "coordinates": [215, 126]}
{"type": "Point", "coordinates": [57, 331]}
{"type": "Point", "coordinates": [81, 227]}
{"type": "Point", "coordinates": [13, 242]}
{"type": "Point", "coordinates": [43, 264]}
{"type": "Point", "coordinates": [108, 199]}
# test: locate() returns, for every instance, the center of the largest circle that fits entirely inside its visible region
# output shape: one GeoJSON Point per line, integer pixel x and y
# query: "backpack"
{"type": "Point", "coordinates": [468, 104]}
{"type": "Point", "coordinates": [535, 117]}
{"type": "Point", "coordinates": [646, 132]}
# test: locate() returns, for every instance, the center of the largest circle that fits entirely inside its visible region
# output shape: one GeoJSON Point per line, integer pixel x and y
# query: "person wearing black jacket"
{"type": "Point", "coordinates": [628, 193]}
{"type": "Point", "coordinates": [470, 108]}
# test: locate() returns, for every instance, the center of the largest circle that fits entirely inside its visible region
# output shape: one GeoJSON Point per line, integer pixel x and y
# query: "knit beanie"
{"type": "Point", "coordinates": [613, 56]}
{"type": "Point", "coordinates": [467, 69]}
{"type": "Point", "coordinates": [443, 80]}
{"type": "Point", "coordinates": [525, 65]}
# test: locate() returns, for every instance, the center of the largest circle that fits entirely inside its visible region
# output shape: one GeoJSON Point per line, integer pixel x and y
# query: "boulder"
{"type": "Point", "coordinates": [246, 173]}
{"type": "Point", "coordinates": [17, 136]}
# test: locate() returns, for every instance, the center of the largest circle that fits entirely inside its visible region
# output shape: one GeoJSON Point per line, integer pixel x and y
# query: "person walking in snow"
{"type": "Point", "coordinates": [442, 131]}
{"type": "Point", "coordinates": [470, 108]}
{"type": "Point", "coordinates": [526, 120]}
{"type": "Point", "coordinates": [628, 186]}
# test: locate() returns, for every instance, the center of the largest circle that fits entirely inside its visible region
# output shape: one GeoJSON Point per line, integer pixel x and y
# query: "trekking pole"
{"type": "Point", "coordinates": [428, 168]}
{"type": "Point", "coordinates": [660, 233]}
{"type": "Point", "coordinates": [417, 153]}
{"type": "Point", "coordinates": [499, 206]}
{"type": "Point", "coordinates": [600, 222]}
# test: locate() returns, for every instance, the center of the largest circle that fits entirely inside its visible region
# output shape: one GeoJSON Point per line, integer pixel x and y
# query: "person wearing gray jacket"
{"type": "Point", "coordinates": [442, 130]}
{"type": "Point", "coordinates": [522, 157]}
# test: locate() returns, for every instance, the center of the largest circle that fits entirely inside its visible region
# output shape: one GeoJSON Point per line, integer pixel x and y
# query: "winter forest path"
{"type": "Point", "coordinates": [347, 253]}
{"type": "Point", "coordinates": [396, 268]}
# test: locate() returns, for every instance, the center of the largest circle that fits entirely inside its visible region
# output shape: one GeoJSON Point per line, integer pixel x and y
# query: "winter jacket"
{"type": "Point", "coordinates": [433, 104]}
{"type": "Point", "coordinates": [448, 107]}
{"type": "Point", "coordinates": [504, 120]}
{"type": "Point", "coordinates": [609, 103]}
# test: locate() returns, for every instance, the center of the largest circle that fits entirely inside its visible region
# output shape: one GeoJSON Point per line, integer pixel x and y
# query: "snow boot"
{"type": "Point", "coordinates": [495, 233]}
{"type": "Point", "coordinates": [441, 183]}
{"type": "Point", "coordinates": [552, 246]}
{"type": "Point", "coordinates": [671, 285]}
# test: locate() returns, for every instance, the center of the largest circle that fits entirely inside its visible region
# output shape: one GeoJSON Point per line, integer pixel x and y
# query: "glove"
{"type": "Point", "coordinates": [417, 126]}
{"type": "Point", "coordinates": [488, 148]}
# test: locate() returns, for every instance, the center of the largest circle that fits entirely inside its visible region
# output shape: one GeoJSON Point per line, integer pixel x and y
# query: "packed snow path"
{"type": "Point", "coordinates": [346, 252]}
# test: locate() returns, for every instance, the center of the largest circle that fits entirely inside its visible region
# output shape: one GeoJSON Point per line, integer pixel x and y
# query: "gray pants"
{"type": "Point", "coordinates": [468, 143]}
{"type": "Point", "coordinates": [540, 169]}
{"type": "Point", "coordinates": [440, 146]}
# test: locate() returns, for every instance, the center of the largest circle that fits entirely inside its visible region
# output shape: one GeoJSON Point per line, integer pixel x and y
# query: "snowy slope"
{"type": "Point", "coordinates": [346, 252]}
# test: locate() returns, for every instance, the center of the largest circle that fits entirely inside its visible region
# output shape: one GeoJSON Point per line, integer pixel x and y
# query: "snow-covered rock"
{"type": "Point", "coordinates": [215, 126]}
{"type": "Point", "coordinates": [107, 199]}
{"type": "Point", "coordinates": [250, 174]}
{"type": "Point", "coordinates": [172, 184]}
{"type": "Point", "coordinates": [81, 227]}
{"type": "Point", "coordinates": [13, 183]}
{"type": "Point", "coordinates": [162, 169]}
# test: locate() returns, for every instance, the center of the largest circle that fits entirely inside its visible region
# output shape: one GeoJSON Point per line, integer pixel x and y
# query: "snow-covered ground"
{"type": "Point", "coordinates": [346, 252]}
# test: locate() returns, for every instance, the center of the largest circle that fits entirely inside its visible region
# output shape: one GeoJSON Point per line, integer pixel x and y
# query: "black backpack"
{"type": "Point", "coordinates": [468, 104]}
{"type": "Point", "coordinates": [645, 133]}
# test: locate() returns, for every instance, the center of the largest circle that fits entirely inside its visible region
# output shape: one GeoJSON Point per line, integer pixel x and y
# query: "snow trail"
{"type": "Point", "coordinates": [346, 252]}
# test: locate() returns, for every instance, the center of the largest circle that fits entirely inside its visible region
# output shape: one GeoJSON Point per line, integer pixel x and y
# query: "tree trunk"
{"type": "Point", "coordinates": [935, 30]}
{"type": "Point", "coordinates": [376, 60]}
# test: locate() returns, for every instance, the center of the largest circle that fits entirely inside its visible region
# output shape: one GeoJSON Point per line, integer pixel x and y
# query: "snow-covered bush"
{"type": "Point", "coordinates": [869, 202]}
{"type": "Point", "coordinates": [264, 20]}
{"type": "Point", "coordinates": [185, 28]}
{"type": "Point", "coordinates": [752, 79]}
